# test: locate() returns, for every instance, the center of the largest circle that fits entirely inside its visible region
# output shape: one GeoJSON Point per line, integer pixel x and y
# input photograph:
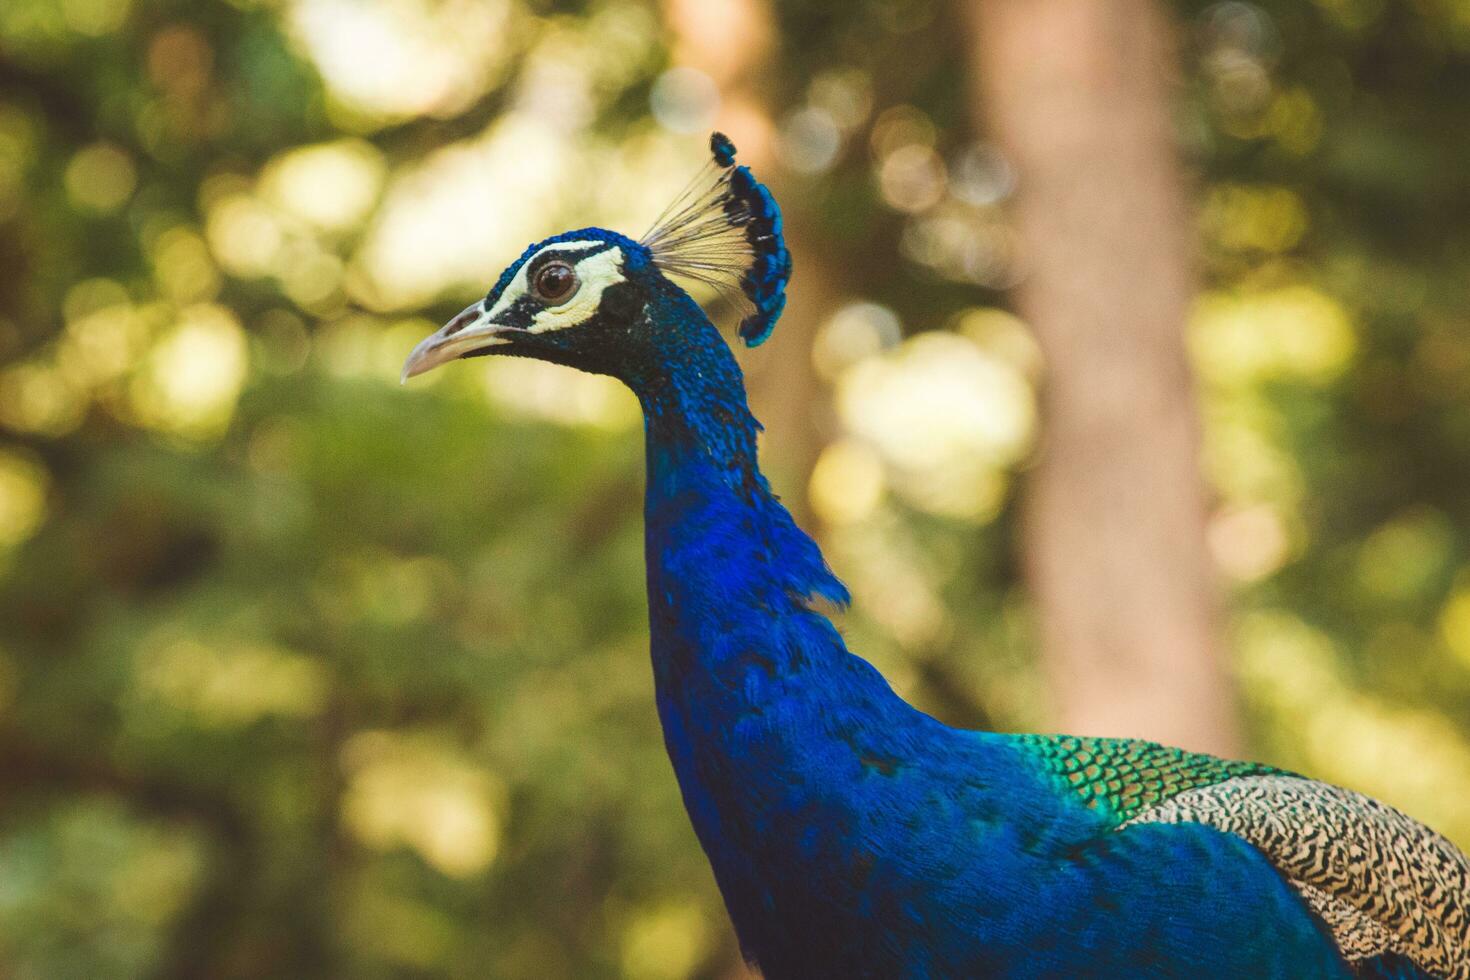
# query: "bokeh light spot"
{"type": "Point", "coordinates": [808, 140]}
{"type": "Point", "coordinates": [244, 235]}
{"type": "Point", "coordinates": [1248, 543]}
{"type": "Point", "coordinates": [685, 100]}
{"type": "Point", "coordinates": [900, 126]}
{"type": "Point", "coordinates": [949, 416]}
{"type": "Point", "coordinates": [95, 18]}
{"type": "Point", "coordinates": [855, 332]}
{"type": "Point", "coordinates": [982, 176]}
{"type": "Point", "coordinates": [332, 186]}
{"type": "Point", "coordinates": [23, 485]}
{"type": "Point", "coordinates": [1401, 558]}
{"type": "Point", "coordinates": [847, 482]}
{"type": "Point", "coordinates": [1003, 335]}
{"type": "Point", "coordinates": [1454, 625]}
{"type": "Point", "coordinates": [183, 266]}
{"type": "Point", "coordinates": [665, 943]}
{"type": "Point", "coordinates": [558, 394]}
{"type": "Point", "coordinates": [844, 94]}
{"type": "Point", "coordinates": [36, 396]}
{"type": "Point", "coordinates": [912, 178]}
{"type": "Point", "coordinates": [101, 177]}
{"type": "Point", "coordinates": [231, 684]}
{"type": "Point", "coordinates": [1292, 332]}
{"type": "Point", "coordinates": [401, 58]}
{"type": "Point", "coordinates": [420, 791]}
{"type": "Point", "coordinates": [194, 375]}
{"type": "Point", "coordinates": [1267, 219]}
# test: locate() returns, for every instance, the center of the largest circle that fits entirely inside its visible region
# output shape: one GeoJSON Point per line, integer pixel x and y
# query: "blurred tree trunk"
{"type": "Point", "coordinates": [1076, 93]}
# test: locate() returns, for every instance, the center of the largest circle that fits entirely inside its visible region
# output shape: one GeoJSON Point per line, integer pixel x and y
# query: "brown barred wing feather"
{"type": "Point", "coordinates": [1382, 882]}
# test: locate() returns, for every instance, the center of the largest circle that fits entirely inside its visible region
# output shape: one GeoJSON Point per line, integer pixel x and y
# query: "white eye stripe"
{"type": "Point", "coordinates": [596, 272]}
{"type": "Point", "coordinates": [519, 286]}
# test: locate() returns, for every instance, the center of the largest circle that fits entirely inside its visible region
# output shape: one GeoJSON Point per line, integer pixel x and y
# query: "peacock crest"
{"type": "Point", "coordinates": [724, 230]}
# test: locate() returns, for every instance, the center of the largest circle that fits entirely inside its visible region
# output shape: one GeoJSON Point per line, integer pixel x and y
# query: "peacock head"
{"type": "Point", "coordinates": [602, 302]}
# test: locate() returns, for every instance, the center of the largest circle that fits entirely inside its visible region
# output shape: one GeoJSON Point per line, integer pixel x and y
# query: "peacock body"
{"type": "Point", "coordinates": [854, 836]}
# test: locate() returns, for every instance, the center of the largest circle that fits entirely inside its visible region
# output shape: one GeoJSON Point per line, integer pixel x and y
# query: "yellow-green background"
{"type": "Point", "coordinates": [304, 674]}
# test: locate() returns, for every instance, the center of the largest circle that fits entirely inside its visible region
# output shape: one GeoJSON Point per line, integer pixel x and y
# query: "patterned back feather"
{"type": "Point", "coordinates": [1382, 883]}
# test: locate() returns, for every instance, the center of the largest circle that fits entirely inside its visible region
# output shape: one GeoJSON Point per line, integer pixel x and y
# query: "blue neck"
{"type": "Point", "coordinates": [722, 552]}
{"type": "Point", "coordinates": [761, 703]}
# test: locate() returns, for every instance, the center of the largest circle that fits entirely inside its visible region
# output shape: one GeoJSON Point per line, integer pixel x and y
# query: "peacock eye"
{"type": "Point", "coordinates": [556, 282]}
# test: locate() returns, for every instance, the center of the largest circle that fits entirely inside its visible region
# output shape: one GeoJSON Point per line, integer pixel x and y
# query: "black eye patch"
{"type": "Point", "coordinates": [621, 301]}
{"type": "Point", "coordinates": [521, 314]}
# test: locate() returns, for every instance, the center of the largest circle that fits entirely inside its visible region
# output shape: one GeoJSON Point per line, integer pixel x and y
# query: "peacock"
{"type": "Point", "coordinates": [852, 835]}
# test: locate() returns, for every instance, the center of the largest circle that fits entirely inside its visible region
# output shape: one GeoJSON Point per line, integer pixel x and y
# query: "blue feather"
{"type": "Point", "coordinates": [722, 149]}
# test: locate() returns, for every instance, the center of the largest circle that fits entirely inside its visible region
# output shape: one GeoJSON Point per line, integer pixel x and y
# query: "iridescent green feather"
{"type": "Point", "coordinates": [1124, 777]}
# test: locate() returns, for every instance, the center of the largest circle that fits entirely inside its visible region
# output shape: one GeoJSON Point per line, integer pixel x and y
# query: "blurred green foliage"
{"type": "Point", "coordinates": [305, 675]}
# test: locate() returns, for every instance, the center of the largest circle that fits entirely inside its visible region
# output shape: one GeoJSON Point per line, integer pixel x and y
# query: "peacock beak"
{"type": "Point", "coordinates": [470, 331]}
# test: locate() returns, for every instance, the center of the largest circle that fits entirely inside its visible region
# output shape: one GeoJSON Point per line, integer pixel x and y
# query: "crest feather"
{"type": "Point", "coordinates": [725, 230]}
